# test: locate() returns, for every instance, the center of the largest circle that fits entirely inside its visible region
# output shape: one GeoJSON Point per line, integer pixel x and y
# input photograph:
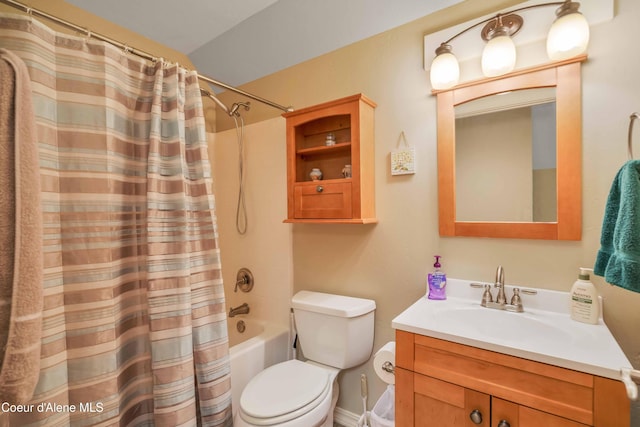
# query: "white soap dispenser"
{"type": "Point", "coordinates": [585, 305]}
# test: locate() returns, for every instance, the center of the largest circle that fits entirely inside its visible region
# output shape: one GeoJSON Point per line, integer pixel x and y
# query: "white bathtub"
{"type": "Point", "coordinates": [261, 345]}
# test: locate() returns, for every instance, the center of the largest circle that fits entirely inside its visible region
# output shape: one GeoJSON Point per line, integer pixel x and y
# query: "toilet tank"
{"type": "Point", "coordinates": [334, 330]}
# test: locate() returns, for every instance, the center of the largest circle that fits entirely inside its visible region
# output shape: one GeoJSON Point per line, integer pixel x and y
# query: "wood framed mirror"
{"type": "Point", "coordinates": [563, 217]}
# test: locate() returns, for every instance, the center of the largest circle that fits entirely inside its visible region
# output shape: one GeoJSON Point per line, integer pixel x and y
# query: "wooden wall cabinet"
{"type": "Point", "coordinates": [441, 383]}
{"type": "Point", "coordinates": [335, 198]}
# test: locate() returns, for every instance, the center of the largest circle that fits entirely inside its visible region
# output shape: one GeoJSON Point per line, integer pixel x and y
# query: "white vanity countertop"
{"type": "Point", "coordinates": [544, 333]}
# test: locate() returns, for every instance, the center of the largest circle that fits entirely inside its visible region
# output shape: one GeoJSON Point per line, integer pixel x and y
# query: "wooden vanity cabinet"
{"type": "Point", "coordinates": [336, 198]}
{"type": "Point", "coordinates": [441, 383]}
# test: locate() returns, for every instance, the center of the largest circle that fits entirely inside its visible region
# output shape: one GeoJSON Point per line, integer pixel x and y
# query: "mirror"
{"type": "Point", "coordinates": [509, 155]}
{"type": "Point", "coordinates": [507, 134]}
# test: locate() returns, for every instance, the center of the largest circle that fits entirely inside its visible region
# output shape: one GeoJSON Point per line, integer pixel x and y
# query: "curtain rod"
{"type": "Point", "coordinates": [127, 49]}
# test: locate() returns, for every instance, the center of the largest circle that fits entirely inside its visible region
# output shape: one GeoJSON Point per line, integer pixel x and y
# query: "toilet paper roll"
{"type": "Point", "coordinates": [386, 355]}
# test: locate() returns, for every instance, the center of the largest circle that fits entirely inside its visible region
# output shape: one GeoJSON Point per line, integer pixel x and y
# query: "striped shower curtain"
{"type": "Point", "coordinates": [134, 326]}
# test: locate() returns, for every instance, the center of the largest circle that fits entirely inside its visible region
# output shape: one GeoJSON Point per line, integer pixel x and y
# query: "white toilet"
{"type": "Point", "coordinates": [335, 332]}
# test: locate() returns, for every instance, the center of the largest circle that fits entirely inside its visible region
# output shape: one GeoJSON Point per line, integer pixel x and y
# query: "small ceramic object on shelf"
{"type": "Point", "coordinates": [330, 139]}
{"type": "Point", "coordinates": [315, 174]}
{"type": "Point", "coordinates": [346, 171]}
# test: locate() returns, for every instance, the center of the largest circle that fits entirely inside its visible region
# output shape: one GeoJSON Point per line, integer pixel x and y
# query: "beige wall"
{"type": "Point", "coordinates": [388, 261]}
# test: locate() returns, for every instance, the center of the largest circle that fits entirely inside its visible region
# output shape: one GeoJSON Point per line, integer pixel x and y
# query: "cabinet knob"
{"type": "Point", "coordinates": [476, 416]}
{"type": "Point", "coordinates": [319, 189]}
{"type": "Point", "coordinates": [504, 423]}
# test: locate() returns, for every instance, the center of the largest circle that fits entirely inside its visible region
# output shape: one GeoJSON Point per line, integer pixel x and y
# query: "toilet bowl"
{"type": "Point", "coordinates": [334, 332]}
{"type": "Point", "coordinates": [290, 394]}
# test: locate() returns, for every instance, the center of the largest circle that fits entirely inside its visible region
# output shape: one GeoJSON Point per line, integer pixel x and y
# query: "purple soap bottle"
{"type": "Point", "coordinates": [437, 282]}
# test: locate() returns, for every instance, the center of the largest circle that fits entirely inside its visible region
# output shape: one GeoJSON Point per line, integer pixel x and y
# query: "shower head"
{"type": "Point", "coordinates": [236, 106]}
{"type": "Point", "coordinates": [234, 111]}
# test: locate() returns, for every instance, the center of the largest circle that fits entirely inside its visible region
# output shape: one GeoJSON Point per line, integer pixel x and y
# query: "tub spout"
{"type": "Point", "coordinates": [242, 309]}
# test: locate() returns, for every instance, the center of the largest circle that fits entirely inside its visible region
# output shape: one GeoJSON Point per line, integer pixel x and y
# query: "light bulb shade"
{"type": "Point", "coordinates": [568, 37]}
{"type": "Point", "coordinates": [445, 71]}
{"type": "Point", "coordinates": [498, 56]}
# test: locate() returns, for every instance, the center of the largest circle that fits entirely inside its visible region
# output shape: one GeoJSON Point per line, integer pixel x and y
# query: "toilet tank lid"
{"type": "Point", "coordinates": [334, 305]}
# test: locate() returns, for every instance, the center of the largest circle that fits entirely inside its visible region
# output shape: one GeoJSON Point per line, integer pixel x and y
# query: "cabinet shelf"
{"type": "Point", "coordinates": [309, 181]}
{"type": "Point", "coordinates": [331, 221]}
{"type": "Point", "coordinates": [324, 149]}
{"type": "Point", "coordinates": [335, 198]}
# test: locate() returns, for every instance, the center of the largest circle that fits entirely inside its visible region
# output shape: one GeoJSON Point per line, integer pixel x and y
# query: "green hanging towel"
{"type": "Point", "coordinates": [618, 259]}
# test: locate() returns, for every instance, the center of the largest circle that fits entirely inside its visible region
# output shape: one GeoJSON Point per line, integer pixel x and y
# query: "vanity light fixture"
{"type": "Point", "coordinates": [445, 70]}
{"type": "Point", "coordinates": [568, 37]}
{"type": "Point", "coordinates": [569, 34]}
{"type": "Point", "coordinates": [499, 54]}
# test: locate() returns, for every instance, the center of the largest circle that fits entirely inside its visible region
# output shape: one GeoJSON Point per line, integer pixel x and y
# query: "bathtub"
{"type": "Point", "coordinates": [261, 345]}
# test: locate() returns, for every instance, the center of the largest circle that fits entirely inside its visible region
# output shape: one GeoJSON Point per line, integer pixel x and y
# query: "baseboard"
{"type": "Point", "coordinates": [345, 418]}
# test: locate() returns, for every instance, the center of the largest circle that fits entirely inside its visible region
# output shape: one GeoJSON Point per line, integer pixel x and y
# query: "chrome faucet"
{"type": "Point", "coordinates": [501, 298]}
{"type": "Point", "coordinates": [242, 309]}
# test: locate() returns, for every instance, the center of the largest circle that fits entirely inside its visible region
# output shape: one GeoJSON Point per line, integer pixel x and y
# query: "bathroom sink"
{"type": "Point", "coordinates": [502, 325]}
{"type": "Point", "coordinates": [544, 332]}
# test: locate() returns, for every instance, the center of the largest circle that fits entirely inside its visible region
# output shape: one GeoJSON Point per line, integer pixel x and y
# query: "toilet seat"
{"type": "Point", "coordinates": [285, 392]}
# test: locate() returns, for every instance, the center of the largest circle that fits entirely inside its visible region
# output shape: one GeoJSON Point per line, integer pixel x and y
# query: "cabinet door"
{"type": "Point", "coordinates": [509, 414]}
{"type": "Point", "coordinates": [439, 403]}
{"type": "Point", "coordinates": [505, 414]}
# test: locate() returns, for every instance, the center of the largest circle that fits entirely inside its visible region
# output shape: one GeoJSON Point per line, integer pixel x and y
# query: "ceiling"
{"type": "Point", "coordinates": [182, 25]}
{"type": "Point", "coordinates": [238, 41]}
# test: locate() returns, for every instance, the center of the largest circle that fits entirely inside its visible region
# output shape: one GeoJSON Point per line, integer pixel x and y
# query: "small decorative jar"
{"type": "Point", "coordinates": [315, 174]}
{"type": "Point", "coordinates": [330, 139]}
{"type": "Point", "coordinates": [346, 171]}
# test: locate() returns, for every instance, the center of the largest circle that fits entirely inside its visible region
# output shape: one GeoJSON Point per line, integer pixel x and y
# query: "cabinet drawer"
{"type": "Point", "coordinates": [323, 200]}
